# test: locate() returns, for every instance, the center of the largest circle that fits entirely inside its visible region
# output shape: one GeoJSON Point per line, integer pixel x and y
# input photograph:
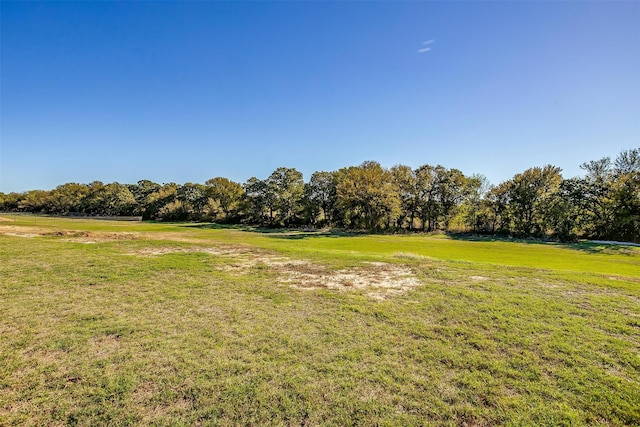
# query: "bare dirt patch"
{"type": "Point", "coordinates": [15, 231]}
{"type": "Point", "coordinates": [20, 234]}
{"type": "Point", "coordinates": [219, 251]}
{"type": "Point", "coordinates": [97, 237]}
{"type": "Point", "coordinates": [68, 235]}
{"type": "Point", "coordinates": [2, 219]}
{"type": "Point", "coordinates": [380, 280]}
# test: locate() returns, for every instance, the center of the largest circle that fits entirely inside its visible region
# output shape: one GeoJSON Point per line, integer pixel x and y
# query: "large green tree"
{"type": "Point", "coordinates": [94, 202]}
{"type": "Point", "coordinates": [10, 201]}
{"type": "Point", "coordinates": [194, 199]}
{"type": "Point", "coordinates": [322, 195]}
{"type": "Point", "coordinates": [597, 197]}
{"type": "Point", "coordinates": [450, 188]}
{"type": "Point", "coordinates": [407, 184]}
{"type": "Point", "coordinates": [531, 193]}
{"type": "Point", "coordinates": [141, 191]}
{"type": "Point", "coordinates": [117, 200]}
{"type": "Point", "coordinates": [626, 195]}
{"type": "Point", "coordinates": [286, 186]}
{"type": "Point", "coordinates": [35, 201]}
{"type": "Point", "coordinates": [427, 199]}
{"type": "Point", "coordinates": [225, 194]}
{"type": "Point", "coordinates": [495, 209]}
{"type": "Point", "coordinates": [475, 188]}
{"type": "Point", "coordinates": [69, 197]}
{"type": "Point", "coordinates": [163, 204]}
{"type": "Point", "coordinates": [369, 195]}
{"type": "Point", "coordinates": [257, 199]}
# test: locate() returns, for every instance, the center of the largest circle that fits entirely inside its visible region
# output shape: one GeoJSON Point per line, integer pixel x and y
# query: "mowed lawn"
{"type": "Point", "coordinates": [113, 323]}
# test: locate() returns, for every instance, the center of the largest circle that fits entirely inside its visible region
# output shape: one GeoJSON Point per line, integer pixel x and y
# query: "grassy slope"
{"type": "Point", "coordinates": [500, 333]}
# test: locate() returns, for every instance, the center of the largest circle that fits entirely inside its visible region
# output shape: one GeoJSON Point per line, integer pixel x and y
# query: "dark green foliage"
{"type": "Point", "coordinates": [539, 202]}
{"type": "Point", "coordinates": [368, 197]}
{"type": "Point", "coordinates": [321, 196]}
{"type": "Point", "coordinates": [224, 200]}
{"type": "Point", "coordinates": [285, 188]}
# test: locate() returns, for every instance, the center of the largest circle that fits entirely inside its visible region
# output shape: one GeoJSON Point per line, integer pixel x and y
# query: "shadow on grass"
{"type": "Point", "coordinates": [583, 246]}
{"type": "Point", "coordinates": [278, 233]}
{"type": "Point", "coordinates": [215, 226]}
{"type": "Point", "coordinates": [621, 248]}
{"type": "Point", "coordinates": [300, 234]}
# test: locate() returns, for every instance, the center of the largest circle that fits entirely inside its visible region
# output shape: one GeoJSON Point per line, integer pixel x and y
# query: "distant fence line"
{"type": "Point", "coordinates": [76, 216]}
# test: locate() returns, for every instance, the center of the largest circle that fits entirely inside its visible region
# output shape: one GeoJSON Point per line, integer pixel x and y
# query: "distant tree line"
{"type": "Point", "coordinates": [538, 202]}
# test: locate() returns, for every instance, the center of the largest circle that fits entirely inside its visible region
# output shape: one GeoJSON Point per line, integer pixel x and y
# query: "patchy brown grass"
{"type": "Point", "coordinates": [96, 237]}
{"type": "Point", "coordinates": [69, 235]}
{"type": "Point", "coordinates": [380, 279]}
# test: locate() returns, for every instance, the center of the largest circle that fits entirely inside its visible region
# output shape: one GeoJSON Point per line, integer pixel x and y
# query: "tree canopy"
{"type": "Point", "coordinates": [538, 202]}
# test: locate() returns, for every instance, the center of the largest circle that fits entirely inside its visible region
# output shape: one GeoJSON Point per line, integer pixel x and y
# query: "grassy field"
{"type": "Point", "coordinates": [110, 323]}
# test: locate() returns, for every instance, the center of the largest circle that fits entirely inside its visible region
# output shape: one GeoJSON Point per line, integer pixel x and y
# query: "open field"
{"type": "Point", "coordinates": [111, 323]}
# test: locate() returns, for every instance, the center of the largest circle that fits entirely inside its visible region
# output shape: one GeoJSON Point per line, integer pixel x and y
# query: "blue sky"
{"type": "Point", "coordinates": [185, 91]}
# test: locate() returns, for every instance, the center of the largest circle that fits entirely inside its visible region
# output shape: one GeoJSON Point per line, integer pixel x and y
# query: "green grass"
{"type": "Point", "coordinates": [498, 333]}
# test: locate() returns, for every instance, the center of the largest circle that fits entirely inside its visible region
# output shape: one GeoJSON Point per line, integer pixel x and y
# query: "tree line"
{"type": "Point", "coordinates": [539, 202]}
